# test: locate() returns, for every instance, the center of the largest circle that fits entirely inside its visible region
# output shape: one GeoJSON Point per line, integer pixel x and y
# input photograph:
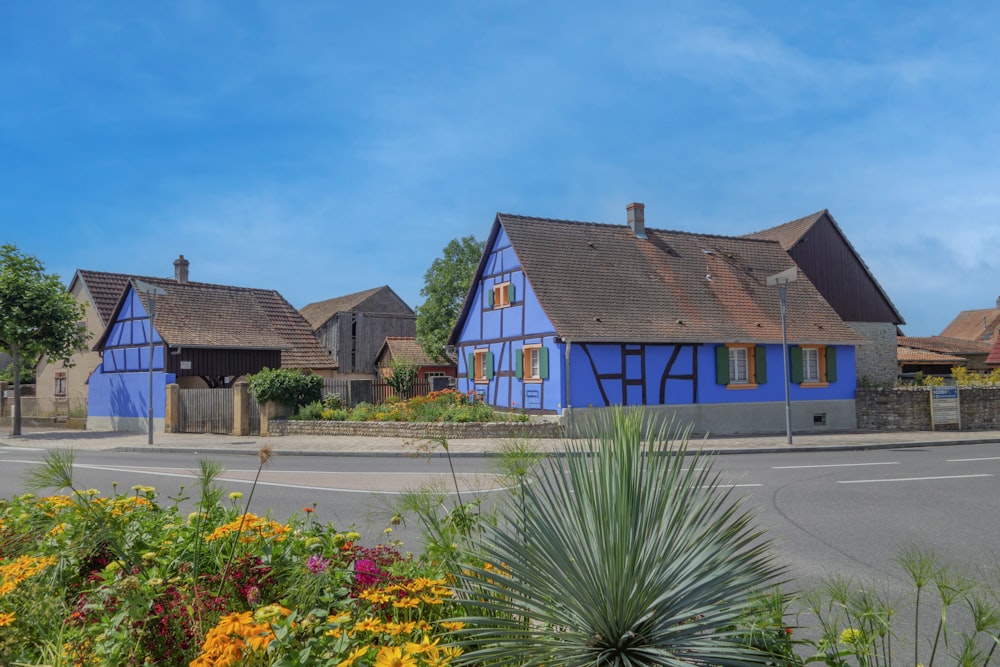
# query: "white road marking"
{"type": "Point", "coordinates": [909, 479]}
{"type": "Point", "coordinates": [985, 458]}
{"type": "Point", "coordinates": [837, 465]}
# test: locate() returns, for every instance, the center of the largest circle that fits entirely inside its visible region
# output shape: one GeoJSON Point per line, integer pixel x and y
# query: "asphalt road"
{"type": "Point", "coordinates": [848, 512]}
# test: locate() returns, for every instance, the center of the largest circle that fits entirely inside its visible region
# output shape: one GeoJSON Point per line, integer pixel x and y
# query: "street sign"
{"type": "Point", "coordinates": [945, 407]}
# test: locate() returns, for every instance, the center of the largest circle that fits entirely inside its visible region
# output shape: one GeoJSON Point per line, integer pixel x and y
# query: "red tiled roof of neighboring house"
{"type": "Point", "coordinates": [980, 324]}
{"type": "Point", "coordinates": [943, 344]}
{"type": "Point", "coordinates": [599, 282]}
{"type": "Point", "coordinates": [994, 356]}
{"type": "Point", "coordinates": [221, 316]}
{"type": "Point", "coordinates": [407, 349]}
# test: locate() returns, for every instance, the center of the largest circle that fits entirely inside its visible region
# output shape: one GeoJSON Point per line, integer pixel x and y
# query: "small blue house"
{"type": "Point", "coordinates": [203, 336]}
{"type": "Point", "coordinates": [566, 317]}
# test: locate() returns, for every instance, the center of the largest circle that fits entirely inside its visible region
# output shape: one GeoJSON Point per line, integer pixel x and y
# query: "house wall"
{"type": "Point", "coordinates": [83, 364]}
{"type": "Point", "coordinates": [876, 361]}
{"type": "Point", "coordinates": [811, 416]}
{"type": "Point", "coordinates": [119, 388]}
{"type": "Point", "coordinates": [504, 332]}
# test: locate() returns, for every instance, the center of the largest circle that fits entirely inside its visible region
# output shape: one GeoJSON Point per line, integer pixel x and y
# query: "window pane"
{"type": "Point", "coordinates": [738, 365]}
{"type": "Point", "coordinates": [810, 364]}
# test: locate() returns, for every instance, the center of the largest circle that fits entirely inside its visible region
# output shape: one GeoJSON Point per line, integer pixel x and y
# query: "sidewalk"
{"type": "Point", "coordinates": [315, 445]}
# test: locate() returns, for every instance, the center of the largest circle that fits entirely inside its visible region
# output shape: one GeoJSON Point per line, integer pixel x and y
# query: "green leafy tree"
{"type": "Point", "coordinates": [37, 316]}
{"type": "Point", "coordinates": [446, 285]}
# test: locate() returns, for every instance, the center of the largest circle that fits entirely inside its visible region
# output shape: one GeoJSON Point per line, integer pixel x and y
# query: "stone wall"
{"type": "Point", "coordinates": [876, 360]}
{"type": "Point", "coordinates": [909, 409]}
{"type": "Point", "coordinates": [464, 430]}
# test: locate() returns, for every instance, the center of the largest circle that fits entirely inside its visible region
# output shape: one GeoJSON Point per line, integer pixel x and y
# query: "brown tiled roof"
{"type": "Point", "coordinates": [105, 289]}
{"type": "Point", "coordinates": [974, 324]}
{"type": "Point", "coordinates": [221, 316]}
{"type": "Point", "coordinates": [789, 233]}
{"type": "Point", "coordinates": [943, 344]}
{"type": "Point", "coordinates": [320, 312]}
{"type": "Point", "coordinates": [913, 355]}
{"type": "Point", "coordinates": [408, 350]}
{"type": "Point", "coordinates": [599, 282]}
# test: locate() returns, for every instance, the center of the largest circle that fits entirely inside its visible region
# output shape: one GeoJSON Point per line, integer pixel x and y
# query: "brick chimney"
{"type": "Point", "coordinates": [637, 219]}
{"type": "Point", "coordinates": [181, 270]}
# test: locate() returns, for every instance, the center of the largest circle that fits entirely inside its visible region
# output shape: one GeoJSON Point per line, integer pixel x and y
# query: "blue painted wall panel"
{"type": "Point", "coordinates": [125, 394]}
{"type": "Point", "coordinates": [774, 389]}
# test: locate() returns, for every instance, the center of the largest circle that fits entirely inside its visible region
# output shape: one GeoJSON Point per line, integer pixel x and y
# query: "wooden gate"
{"type": "Point", "coordinates": [207, 411]}
{"type": "Point", "coordinates": [211, 411]}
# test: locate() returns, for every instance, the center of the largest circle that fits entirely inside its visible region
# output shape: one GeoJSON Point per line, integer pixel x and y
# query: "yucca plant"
{"type": "Point", "coordinates": [623, 552]}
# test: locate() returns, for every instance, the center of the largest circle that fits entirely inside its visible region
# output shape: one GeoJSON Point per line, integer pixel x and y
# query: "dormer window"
{"type": "Point", "coordinates": [500, 295]}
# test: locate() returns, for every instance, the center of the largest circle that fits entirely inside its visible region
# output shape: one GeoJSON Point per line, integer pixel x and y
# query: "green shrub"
{"type": "Point", "coordinates": [337, 415]}
{"type": "Point", "coordinates": [310, 412]}
{"type": "Point", "coordinates": [288, 387]}
{"type": "Point", "coordinates": [362, 412]}
{"type": "Point", "coordinates": [333, 402]}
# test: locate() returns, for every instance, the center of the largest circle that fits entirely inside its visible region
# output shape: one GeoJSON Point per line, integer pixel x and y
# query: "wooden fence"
{"type": "Point", "coordinates": [381, 391]}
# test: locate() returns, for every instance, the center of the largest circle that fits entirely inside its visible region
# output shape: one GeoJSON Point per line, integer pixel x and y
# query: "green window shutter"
{"type": "Point", "coordinates": [722, 364]}
{"type": "Point", "coordinates": [489, 365]}
{"type": "Point", "coordinates": [760, 364]}
{"type": "Point", "coordinates": [543, 363]}
{"type": "Point", "coordinates": [519, 364]}
{"type": "Point", "coordinates": [795, 362]}
{"type": "Point", "coordinates": [831, 364]}
{"type": "Point", "coordinates": [489, 295]}
{"type": "Point", "coordinates": [510, 292]}
{"type": "Point", "coordinates": [470, 369]}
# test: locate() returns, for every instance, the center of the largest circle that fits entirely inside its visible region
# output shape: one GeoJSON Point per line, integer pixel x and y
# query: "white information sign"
{"type": "Point", "coordinates": [945, 407]}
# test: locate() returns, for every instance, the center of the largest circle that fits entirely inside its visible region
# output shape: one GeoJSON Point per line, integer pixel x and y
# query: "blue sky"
{"type": "Point", "coordinates": [321, 148]}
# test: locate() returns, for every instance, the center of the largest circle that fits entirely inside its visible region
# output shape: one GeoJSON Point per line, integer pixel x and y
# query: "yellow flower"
{"type": "Point", "coordinates": [393, 656]}
{"type": "Point", "coordinates": [6, 619]}
{"type": "Point", "coordinates": [353, 536]}
{"type": "Point", "coordinates": [369, 624]}
{"type": "Point", "coordinates": [235, 495]}
{"type": "Point", "coordinates": [406, 603]}
{"type": "Point", "coordinates": [355, 654]}
{"type": "Point", "coordinates": [451, 626]}
{"type": "Point", "coordinates": [374, 596]}
{"type": "Point", "coordinates": [849, 635]}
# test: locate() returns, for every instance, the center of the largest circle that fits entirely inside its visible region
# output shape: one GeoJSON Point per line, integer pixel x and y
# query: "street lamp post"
{"type": "Point", "coordinates": [781, 280]}
{"type": "Point", "coordinates": [152, 291]}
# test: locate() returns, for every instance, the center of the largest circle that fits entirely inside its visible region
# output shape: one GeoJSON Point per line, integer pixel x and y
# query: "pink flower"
{"type": "Point", "coordinates": [317, 564]}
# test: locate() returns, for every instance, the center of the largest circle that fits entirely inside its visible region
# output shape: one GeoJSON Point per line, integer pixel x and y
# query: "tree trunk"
{"type": "Point", "coordinates": [15, 353]}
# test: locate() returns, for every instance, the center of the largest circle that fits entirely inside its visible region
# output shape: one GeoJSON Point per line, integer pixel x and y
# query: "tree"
{"type": "Point", "coordinates": [37, 316]}
{"type": "Point", "coordinates": [446, 284]}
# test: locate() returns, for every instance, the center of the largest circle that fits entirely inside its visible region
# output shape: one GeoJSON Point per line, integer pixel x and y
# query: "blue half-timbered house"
{"type": "Point", "coordinates": [203, 335]}
{"type": "Point", "coordinates": [565, 317]}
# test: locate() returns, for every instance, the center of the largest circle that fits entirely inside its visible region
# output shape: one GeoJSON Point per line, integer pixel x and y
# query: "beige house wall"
{"type": "Point", "coordinates": [84, 363]}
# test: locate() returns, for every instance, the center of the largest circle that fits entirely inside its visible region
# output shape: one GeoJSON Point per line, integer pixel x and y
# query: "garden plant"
{"type": "Point", "coordinates": [622, 549]}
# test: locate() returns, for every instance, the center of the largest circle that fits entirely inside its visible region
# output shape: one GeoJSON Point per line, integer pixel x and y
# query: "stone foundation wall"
{"type": "Point", "coordinates": [463, 430]}
{"type": "Point", "coordinates": [909, 409]}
